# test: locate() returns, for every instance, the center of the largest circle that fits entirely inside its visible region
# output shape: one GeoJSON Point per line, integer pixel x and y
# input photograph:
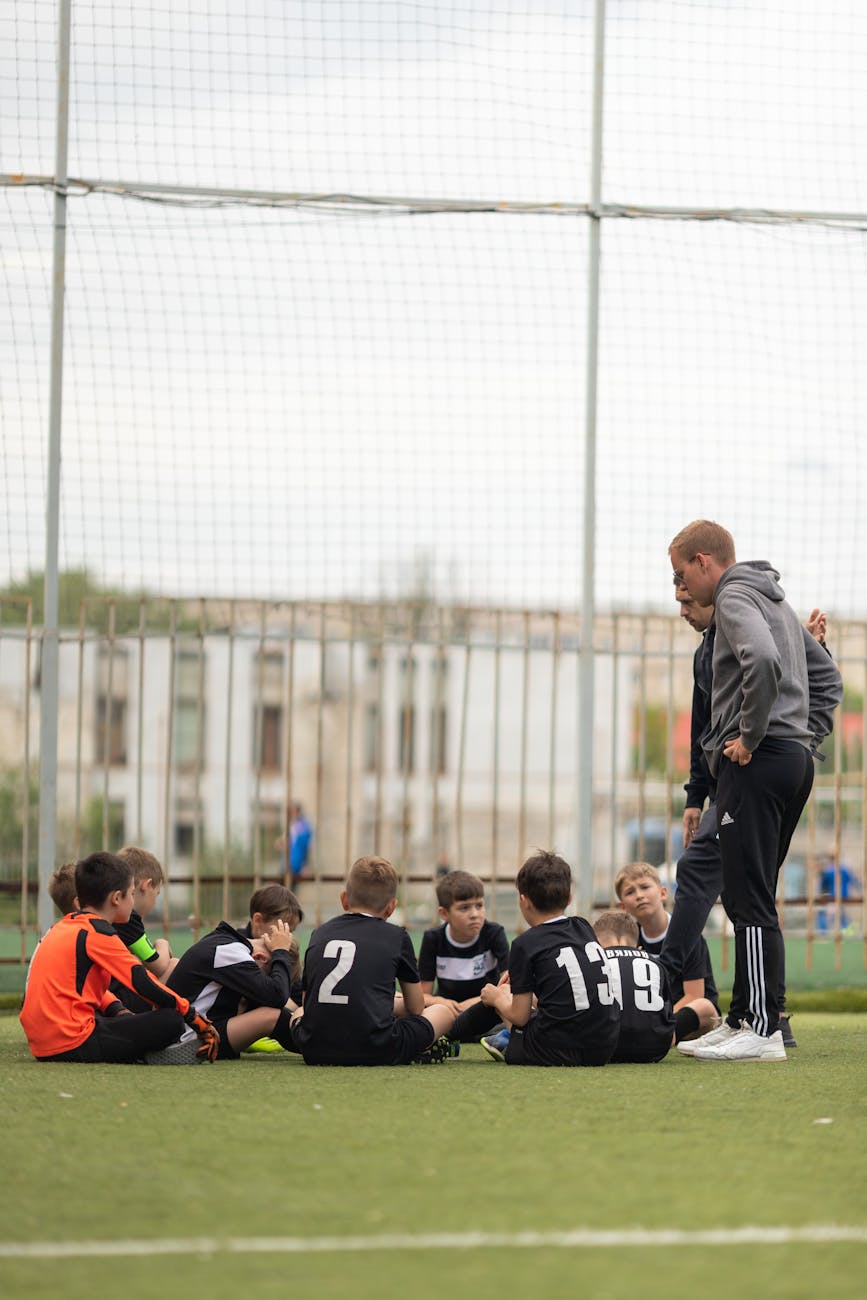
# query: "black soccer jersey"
{"type": "Point", "coordinates": [640, 986]}
{"type": "Point", "coordinates": [460, 971]}
{"type": "Point", "coordinates": [578, 1019]}
{"type": "Point", "coordinates": [698, 966]}
{"type": "Point", "coordinates": [219, 970]}
{"type": "Point", "coordinates": [350, 968]}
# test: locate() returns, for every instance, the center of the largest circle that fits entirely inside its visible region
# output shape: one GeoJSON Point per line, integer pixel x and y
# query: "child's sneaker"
{"type": "Point", "coordinates": [184, 1052]}
{"type": "Point", "coordinates": [265, 1045]}
{"type": "Point", "coordinates": [441, 1049]}
{"type": "Point", "coordinates": [496, 1045]}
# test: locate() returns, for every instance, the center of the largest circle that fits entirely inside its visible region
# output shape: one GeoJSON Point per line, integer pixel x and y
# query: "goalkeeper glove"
{"type": "Point", "coordinates": [207, 1033]}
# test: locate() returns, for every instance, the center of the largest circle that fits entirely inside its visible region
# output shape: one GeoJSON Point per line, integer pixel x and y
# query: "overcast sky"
{"type": "Point", "coordinates": [320, 402]}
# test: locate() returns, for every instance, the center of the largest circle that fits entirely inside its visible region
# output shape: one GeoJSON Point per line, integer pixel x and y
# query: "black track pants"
{"type": "Point", "coordinates": [699, 882]}
{"type": "Point", "coordinates": [758, 807]}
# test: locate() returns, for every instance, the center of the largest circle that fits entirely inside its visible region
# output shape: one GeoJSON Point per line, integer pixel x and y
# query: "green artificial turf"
{"type": "Point", "coordinates": [266, 1147]}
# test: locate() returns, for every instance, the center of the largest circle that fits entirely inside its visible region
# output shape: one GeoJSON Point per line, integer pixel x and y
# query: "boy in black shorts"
{"type": "Point", "coordinates": [642, 895]}
{"type": "Point", "coordinates": [350, 1014]}
{"type": "Point", "coordinates": [69, 1013]}
{"type": "Point", "coordinates": [462, 955]}
{"type": "Point", "coordinates": [559, 963]}
{"type": "Point", "coordinates": [647, 1021]}
{"type": "Point", "coordinates": [241, 984]}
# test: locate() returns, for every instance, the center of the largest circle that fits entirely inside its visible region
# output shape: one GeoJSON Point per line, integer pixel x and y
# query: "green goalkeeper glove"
{"type": "Point", "coordinates": [207, 1033]}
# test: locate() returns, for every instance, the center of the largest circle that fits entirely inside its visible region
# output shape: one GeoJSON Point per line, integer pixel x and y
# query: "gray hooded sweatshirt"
{"type": "Point", "coordinates": [761, 683]}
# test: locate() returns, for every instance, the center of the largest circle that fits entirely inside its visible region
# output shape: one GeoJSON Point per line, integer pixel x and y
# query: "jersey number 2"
{"type": "Point", "coordinates": [344, 951]}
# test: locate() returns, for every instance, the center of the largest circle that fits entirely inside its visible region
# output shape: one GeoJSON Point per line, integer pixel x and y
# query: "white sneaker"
{"type": "Point", "coordinates": [745, 1045]}
{"type": "Point", "coordinates": [721, 1034]}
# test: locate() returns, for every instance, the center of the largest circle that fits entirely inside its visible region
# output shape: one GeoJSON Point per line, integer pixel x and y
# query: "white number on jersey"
{"type": "Point", "coordinates": [344, 951]}
{"type": "Point", "coordinates": [607, 992]}
{"type": "Point", "coordinates": [647, 979]}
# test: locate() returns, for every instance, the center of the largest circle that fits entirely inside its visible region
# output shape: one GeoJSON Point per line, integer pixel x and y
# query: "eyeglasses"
{"type": "Point", "coordinates": [677, 576]}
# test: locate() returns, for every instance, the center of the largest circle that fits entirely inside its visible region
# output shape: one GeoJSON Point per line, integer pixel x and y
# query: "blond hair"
{"type": "Point", "coordinates": [635, 871]}
{"type": "Point", "coordinates": [371, 884]}
{"type": "Point", "coordinates": [618, 927]}
{"type": "Point", "coordinates": [705, 537]}
{"type": "Point", "coordinates": [144, 865]}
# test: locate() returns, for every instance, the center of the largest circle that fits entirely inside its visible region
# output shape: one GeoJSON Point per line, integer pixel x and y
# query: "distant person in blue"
{"type": "Point", "coordinates": [300, 836]}
{"type": "Point", "coordinates": [830, 873]}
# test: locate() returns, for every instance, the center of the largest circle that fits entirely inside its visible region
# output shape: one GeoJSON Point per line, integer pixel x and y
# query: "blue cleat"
{"type": "Point", "coordinates": [496, 1045]}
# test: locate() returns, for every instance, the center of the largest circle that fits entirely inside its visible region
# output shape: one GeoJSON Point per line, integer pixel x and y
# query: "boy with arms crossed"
{"type": "Point", "coordinates": [351, 1015]}
{"type": "Point", "coordinates": [559, 963]}
{"type": "Point", "coordinates": [462, 955]}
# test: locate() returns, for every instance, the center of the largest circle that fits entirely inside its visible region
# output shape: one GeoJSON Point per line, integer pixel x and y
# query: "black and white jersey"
{"type": "Point", "coordinates": [219, 970]}
{"type": "Point", "coordinates": [460, 970]}
{"type": "Point", "coordinates": [350, 968]}
{"type": "Point", "coordinates": [696, 967]}
{"type": "Point", "coordinates": [578, 1018]}
{"type": "Point", "coordinates": [640, 985]}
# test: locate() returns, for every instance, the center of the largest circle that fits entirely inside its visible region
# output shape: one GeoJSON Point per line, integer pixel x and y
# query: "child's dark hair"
{"type": "Point", "coordinates": [546, 879]}
{"type": "Point", "coordinates": [100, 875]}
{"type": "Point", "coordinates": [145, 866]}
{"type": "Point", "coordinates": [617, 927]}
{"type": "Point", "coordinates": [275, 903]}
{"type": "Point", "coordinates": [61, 887]}
{"type": "Point", "coordinates": [457, 886]}
{"type": "Point", "coordinates": [371, 884]}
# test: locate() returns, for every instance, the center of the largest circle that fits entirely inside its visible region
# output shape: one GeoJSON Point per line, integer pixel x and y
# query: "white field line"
{"type": "Point", "coordinates": [579, 1238]}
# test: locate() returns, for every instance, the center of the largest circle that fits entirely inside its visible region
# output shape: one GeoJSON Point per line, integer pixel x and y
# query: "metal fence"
{"type": "Point", "coordinates": [437, 736]}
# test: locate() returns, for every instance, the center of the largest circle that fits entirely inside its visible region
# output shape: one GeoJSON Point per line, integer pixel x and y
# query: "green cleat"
{"type": "Point", "coordinates": [441, 1049]}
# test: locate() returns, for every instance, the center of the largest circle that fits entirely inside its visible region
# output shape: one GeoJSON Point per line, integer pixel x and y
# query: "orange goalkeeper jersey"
{"type": "Point", "coordinates": [68, 983]}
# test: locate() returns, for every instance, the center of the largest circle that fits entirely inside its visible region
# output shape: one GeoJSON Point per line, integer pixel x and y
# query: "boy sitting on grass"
{"type": "Point", "coordinates": [242, 979]}
{"type": "Point", "coordinates": [69, 1013]}
{"type": "Point", "coordinates": [462, 955]}
{"type": "Point", "coordinates": [61, 888]}
{"type": "Point", "coordinates": [559, 963]}
{"type": "Point", "coordinates": [647, 1024]}
{"type": "Point", "coordinates": [351, 1015]}
{"type": "Point", "coordinates": [642, 894]}
{"type": "Point", "coordinates": [147, 883]}
{"type": "Point", "coordinates": [273, 903]}
{"type": "Point", "coordinates": [148, 878]}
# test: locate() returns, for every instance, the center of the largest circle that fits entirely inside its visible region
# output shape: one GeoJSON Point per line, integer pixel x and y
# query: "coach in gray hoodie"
{"type": "Point", "coordinates": [758, 745]}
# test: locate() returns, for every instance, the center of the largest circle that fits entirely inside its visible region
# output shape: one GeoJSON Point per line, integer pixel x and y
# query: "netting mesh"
{"type": "Point", "coordinates": [271, 391]}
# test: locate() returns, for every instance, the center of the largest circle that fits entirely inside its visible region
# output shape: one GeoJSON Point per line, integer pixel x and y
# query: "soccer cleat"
{"type": "Point", "coordinates": [786, 1031]}
{"type": "Point", "coordinates": [441, 1049]}
{"type": "Point", "coordinates": [184, 1052]}
{"type": "Point", "coordinates": [496, 1045]}
{"type": "Point", "coordinates": [745, 1045]}
{"type": "Point", "coordinates": [721, 1034]}
{"type": "Point", "coordinates": [265, 1045]}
